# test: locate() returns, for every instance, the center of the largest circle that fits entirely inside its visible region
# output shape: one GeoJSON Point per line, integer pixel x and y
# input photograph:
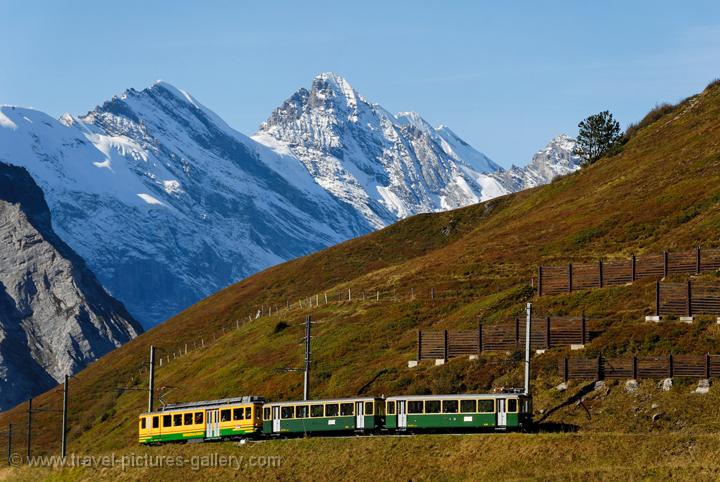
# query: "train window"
{"type": "Point", "coordinates": [486, 406]}
{"type": "Point", "coordinates": [225, 415]}
{"type": "Point", "coordinates": [188, 419]}
{"type": "Point", "coordinates": [266, 413]}
{"type": "Point", "coordinates": [316, 410]}
{"type": "Point", "coordinates": [331, 410]}
{"type": "Point", "coordinates": [449, 406]}
{"type": "Point", "coordinates": [248, 413]}
{"type": "Point", "coordinates": [369, 406]}
{"type": "Point", "coordinates": [391, 408]}
{"type": "Point", "coordinates": [512, 405]}
{"type": "Point", "coordinates": [177, 419]}
{"type": "Point", "coordinates": [526, 406]}
{"type": "Point", "coordinates": [287, 412]}
{"type": "Point", "coordinates": [468, 406]}
{"type": "Point", "coordinates": [156, 422]}
{"type": "Point", "coordinates": [301, 411]}
{"type": "Point", "coordinates": [143, 423]}
{"type": "Point", "coordinates": [237, 413]}
{"type": "Point", "coordinates": [346, 409]}
{"type": "Point", "coordinates": [432, 406]}
{"type": "Point", "coordinates": [198, 418]}
{"type": "Point", "coordinates": [415, 406]}
{"type": "Point", "coordinates": [167, 421]}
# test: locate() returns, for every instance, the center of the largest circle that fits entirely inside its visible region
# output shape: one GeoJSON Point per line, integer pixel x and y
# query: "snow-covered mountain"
{"type": "Point", "coordinates": [558, 158]}
{"type": "Point", "coordinates": [165, 202]}
{"type": "Point", "coordinates": [55, 317]}
{"type": "Point", "coordinates": [387, 166]}
{"type": "Point", "coordinates": [168, 204]}
{"type": "Point", "coordinates": [392, 166]}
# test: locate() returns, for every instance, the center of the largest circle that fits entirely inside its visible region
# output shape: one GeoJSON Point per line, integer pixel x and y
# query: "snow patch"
{"type": "Point", "coordinates": [150, 200]}
{"type": "Point", "coordinates": [172, 187]}
{"type": "Point", "coordinates": [6, 122]}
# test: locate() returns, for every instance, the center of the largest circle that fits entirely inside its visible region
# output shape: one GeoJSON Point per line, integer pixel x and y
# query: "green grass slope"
{"type": "Point", "coordinates": [662, 191]}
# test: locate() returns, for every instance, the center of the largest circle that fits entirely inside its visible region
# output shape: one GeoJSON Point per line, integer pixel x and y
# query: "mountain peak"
{"type": "Point", "coordinates": [329, 85]}
{"type": "Point", "coordinates": [414, 119]}
{"type": "Point", "coordinates": [179, 93]}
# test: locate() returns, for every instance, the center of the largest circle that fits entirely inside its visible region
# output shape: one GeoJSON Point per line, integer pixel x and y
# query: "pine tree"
{"type": "Point", "coordinates": [597, 135]}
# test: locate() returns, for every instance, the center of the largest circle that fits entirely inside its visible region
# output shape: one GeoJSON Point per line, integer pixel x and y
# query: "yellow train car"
{"type": "Point", "coordinates": [206, 420]}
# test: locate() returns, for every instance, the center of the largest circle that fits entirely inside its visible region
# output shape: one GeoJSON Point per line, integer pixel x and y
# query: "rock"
{"type": "Point", "coordinates": [55, 318]}
{"type": "Point", "coordinates": [666, 384]}
{"type": "Point", "coordinates": [703, 386]}
{"type": "Point", "coordinates": [599, 385]}
{"type": "Point", "coordinates": [654, 406]}
{"type": "Point", "coordinates": [631, 386]}
{"type": "Point", "coordinates": [562, 387]}
{"type": "Point", "coordinates": [657, 416]}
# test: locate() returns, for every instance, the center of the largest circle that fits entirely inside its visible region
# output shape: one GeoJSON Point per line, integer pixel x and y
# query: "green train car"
{"type": "Point", "coordinates": [506, 411]}
{"type": "Point", "coordinates": [364, 414]}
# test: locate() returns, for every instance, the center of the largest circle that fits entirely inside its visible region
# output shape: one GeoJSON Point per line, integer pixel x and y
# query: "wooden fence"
{"type": "Point", "coordinates": [669, 366]}
{"type": "Point", "coordinates": [687, 299]}
{"type": "Point", "coordinates": [544, 333]}
{"type": "Point", "coordinates": [572, 277]}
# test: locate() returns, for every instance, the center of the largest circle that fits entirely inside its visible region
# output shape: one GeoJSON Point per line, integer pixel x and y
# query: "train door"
{"type": "Point", "coordinates": [359, 416]}
{"type": "Point", "coordinates": [501, 413]}
{"type": "Point", "coordinates": [212, 423]}
{"type": "Point", "coordinates": [276, 419]}
{"type": "Point", "coordinates": [402, 414]}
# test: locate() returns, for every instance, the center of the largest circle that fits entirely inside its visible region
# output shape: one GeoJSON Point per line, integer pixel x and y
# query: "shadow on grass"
{"type": "Point", "coordinates": [575, 399]}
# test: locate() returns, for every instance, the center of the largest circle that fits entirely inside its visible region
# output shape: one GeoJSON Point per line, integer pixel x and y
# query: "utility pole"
{"type": "Point", "coordinates": [9, 454]}
{"type": "Point", "coordinates": [63, 445]}
{"type": "Point", "coordinates": [29, 429]}
{"type": "Point", "coordinates": [151, 381]}
{"type": "Point", "coordinates": [527, 349]}
{"type": "Point", "coordinates": [306, 380]}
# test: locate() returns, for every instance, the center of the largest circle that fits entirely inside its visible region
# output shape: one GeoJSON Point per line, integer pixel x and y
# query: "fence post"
{"type": "Point", "coordinates": [671, 366]}
{"type": "Point", "coordinates": [707, 365]}
{"type": "Point", "coordinates": [565, 369]}
{"type": "Point", "coordinates": [634, 367]}
{"type": "Point", "coordinates": [540, 284]}
{"type": "Point", "coordinates": [600, 272]}
{"type": "Point", "coordinates": [633, 267]}
{"type": "Point", "coordinates": [689, 298]}
{"type": "Point", "coordinates": [698, 264]}
{"type": "Point", "coordinates": [570, 280]}
{"type": "Point", "coordinates": [480, 336]}
{"type": "Point", "coordinates": [419, 348]}
{"type": "Point", "coordinates": [657, 298]}
{"type": "Point", "coordinates": [599, 368]}
{"type": "Point", "coordinates": [665, 264]}
{"type": "Point", "coordinates": [446, 345]}
{"type": "Point", "coordinates": [432, 293]}
{"type": "Point", "coordinates": [547, 332]}
{"type": "Point", "coordinates": [517, 333]}
{"type": "Point", "coordinates": [583, 328]}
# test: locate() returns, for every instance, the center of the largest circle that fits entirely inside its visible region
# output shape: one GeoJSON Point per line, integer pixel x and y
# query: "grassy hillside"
{"type": "Point", "coordinates": [429, 457]}
{"type": "Point", "coordinates": [662, 191]}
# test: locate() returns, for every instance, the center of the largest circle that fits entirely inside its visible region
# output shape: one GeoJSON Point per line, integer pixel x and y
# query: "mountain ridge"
{"type": "Point", "coordinates": [153, 187]}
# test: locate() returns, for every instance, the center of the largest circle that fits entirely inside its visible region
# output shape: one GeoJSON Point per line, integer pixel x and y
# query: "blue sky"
{"type": "Point", "coordinates": [506, 77]}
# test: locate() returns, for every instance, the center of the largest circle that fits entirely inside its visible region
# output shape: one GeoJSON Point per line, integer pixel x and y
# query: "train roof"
{"type": "Point", "coordinates": [210, 403]}
{"type": "Point", "coordinates": [329, 400]}
{"type": "Point", "coordinates": [459, 396]}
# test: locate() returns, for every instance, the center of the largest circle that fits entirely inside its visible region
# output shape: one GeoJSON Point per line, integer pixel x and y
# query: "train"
{"type": "Point", "coordinates": [251, 417]}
